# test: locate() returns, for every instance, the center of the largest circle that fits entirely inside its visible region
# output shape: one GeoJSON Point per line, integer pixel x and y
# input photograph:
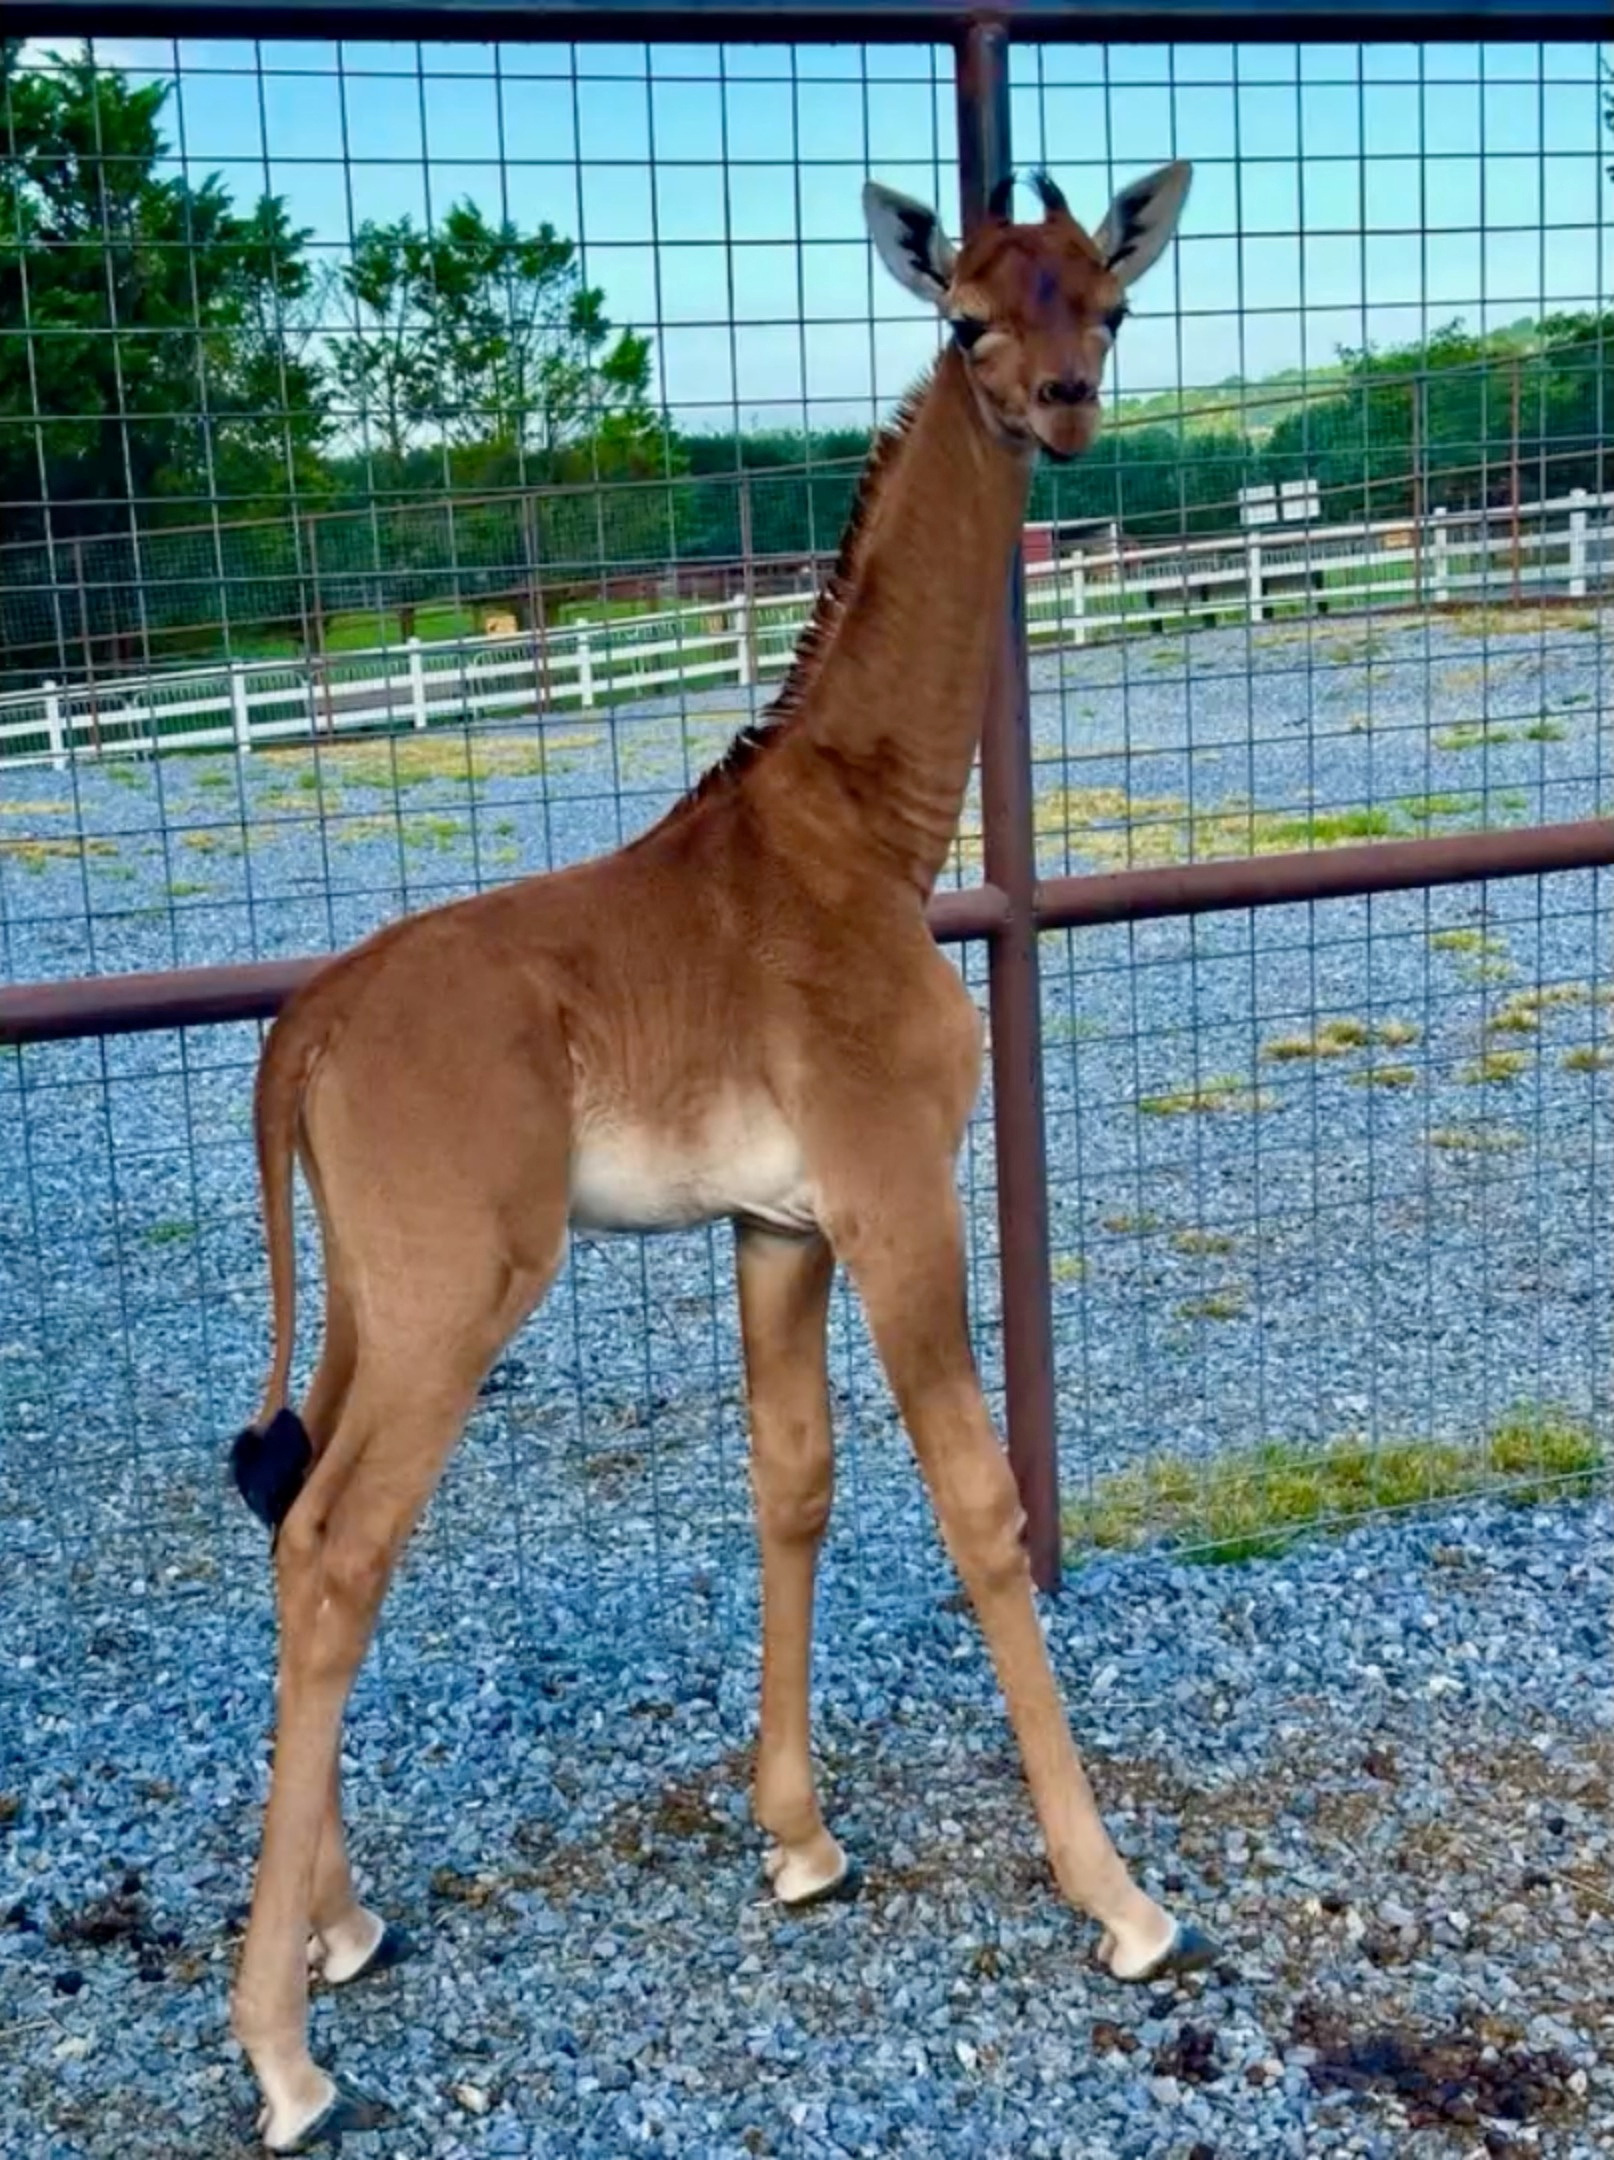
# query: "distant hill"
{"type": "Point", "coordinates": [1255, 408]}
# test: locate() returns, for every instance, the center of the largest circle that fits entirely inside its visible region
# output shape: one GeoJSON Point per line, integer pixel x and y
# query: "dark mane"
{"type": "Point", "coordinates": [759, 737]}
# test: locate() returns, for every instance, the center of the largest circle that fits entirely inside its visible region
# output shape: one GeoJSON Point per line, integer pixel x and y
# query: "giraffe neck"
{"type": "Point", "coordinates": [890, 720]}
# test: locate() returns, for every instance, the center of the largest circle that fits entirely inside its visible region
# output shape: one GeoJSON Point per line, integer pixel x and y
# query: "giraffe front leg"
{"type": "Point", "coordinates": [784, 1301]}
{"type": "Point", "coordinates": [904, 1247]}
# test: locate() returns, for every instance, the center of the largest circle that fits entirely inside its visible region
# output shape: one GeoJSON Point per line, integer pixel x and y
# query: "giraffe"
{"type": "Point", "coordinates": [739, 1014]}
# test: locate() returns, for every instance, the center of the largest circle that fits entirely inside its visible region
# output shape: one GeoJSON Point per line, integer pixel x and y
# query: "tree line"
{"type": "Point", "coordinates": [163, 347]}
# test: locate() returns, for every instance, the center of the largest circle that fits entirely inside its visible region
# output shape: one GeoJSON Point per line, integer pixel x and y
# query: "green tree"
{"type": "Point", "coordinates": [485, 339]}
{"type": "Point", "coordinates": [153, 341]}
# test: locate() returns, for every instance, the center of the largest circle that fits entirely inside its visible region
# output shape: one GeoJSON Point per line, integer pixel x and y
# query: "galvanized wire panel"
{"type": "Point", "coordinates": [1326, 1190]}
{"type": "Point", "coordinates": [455, 644]}
{"type": "Point", "coordinates": [1339, 568]}
{"type": "Point", "coordinates": [278, 666]}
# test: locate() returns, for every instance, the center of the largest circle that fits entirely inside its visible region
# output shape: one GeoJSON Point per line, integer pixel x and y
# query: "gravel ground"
{"type": "Point", "coordinates": [1337, 1752]}
{"type": "Point", "coordinates": [1381, 1770]}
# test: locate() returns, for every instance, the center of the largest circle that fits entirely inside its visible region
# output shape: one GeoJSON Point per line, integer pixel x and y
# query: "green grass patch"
{"type": "Point", "coordinates": [1230, 1303]}
{"type": "Point", "coordinates": [404, 761]}
{"type": "Point", "coordinates": [1255, 1503]}
{"type": "Point", "coordinates": [1129, 1225]}
{"type": "Point", "coordinates": [1338, 1038]}
{"type": "Point", "coordinates": [1498, 621]}
{"type": "Point", "coordinates": [1202, 1241]}
{"type": "Point", "coordinates": [1474, 735]}
{"type": "Point", "coordinates": [1386, 1076]}
{"type": "Point", "coordinates": [187, 889]}
{"type": "Point", "coordinates": [1426, 809]}
{"type": "Point", "coordinates": [1588, 1057]}
{"type": "Point", "coordinates": [1468, 941]}
{"type": "Point", "coordinates": [1465, 1140]}
{"type": "Point", "coordinates": [1069, 1267]}
{"type": "Point", "coordinates": [178, 1230]}
{"type": "Point", "coordinates": [1224, 1093]}
{"type": "Point", "coordinates": [1494, 1065]}
{"type": "Point", "coordinates": [1545, 731]}
{"type": "Point", "coordinates": [440, 833]}
{"type": "Point", "coordinates": [36, 853]}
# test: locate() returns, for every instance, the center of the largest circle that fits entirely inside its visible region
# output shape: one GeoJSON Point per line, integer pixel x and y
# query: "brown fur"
{"type": "Point", "coordinates": [740, 1012]}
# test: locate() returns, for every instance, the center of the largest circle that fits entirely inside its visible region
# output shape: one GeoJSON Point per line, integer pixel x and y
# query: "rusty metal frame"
{"type": "Point", "coordinates": [1011, 908]}
{"type": "Point", "coordinates": [863, 22]}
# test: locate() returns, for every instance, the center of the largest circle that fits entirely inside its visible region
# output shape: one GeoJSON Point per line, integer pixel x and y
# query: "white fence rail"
{"type": "Point", "coordinates": [1562, 547]}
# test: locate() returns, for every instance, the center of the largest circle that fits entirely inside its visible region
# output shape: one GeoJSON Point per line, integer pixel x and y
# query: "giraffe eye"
{"type": "Point", "coordinates": [968, 330]}
{"type": "Point", "coordinates": [1114, 319]}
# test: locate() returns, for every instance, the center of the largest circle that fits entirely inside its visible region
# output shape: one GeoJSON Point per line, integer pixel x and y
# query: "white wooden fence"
{"type": "Point", "coordinates": [1565, 546]}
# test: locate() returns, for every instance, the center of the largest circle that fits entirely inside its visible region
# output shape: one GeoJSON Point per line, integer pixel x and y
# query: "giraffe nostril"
{"type": "Point", "coordinates": [1064, 390]}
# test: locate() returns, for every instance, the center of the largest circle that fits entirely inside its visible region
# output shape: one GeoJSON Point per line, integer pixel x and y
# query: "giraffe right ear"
{"type": "Point", "coordinates": [910, 241]}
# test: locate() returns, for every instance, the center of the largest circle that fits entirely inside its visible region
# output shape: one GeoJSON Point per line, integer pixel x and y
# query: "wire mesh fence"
{"type": "Point", "coordinates": [416, 460]}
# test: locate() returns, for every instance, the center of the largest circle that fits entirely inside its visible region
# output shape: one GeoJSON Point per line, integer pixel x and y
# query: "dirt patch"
{"type": "Point", "coordinates": [1457, 2077]}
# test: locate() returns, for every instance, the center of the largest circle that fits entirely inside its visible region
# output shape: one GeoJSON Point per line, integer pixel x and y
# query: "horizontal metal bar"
{"type": "Point", "coordinates": [96, 1005]}
{"type": "Point", "coordinates": [131, 1004]}
{"type": "Point", "coordinates": [1252, 881]}
{"type": "Point", "coordinates": [255, 990]}
{"type": "Point", "coordinates": [817, 21]}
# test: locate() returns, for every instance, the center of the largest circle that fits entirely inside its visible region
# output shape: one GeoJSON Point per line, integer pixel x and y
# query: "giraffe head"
{"type": "Point", "coordinates": [1033, 308]}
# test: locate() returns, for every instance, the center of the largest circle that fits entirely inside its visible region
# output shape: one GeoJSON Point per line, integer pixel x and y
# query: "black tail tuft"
{"type": "Point", "coordinates": [270, 1466]}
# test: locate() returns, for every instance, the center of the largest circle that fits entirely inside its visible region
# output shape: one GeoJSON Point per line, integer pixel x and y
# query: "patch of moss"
{"type": "Point", "coordinates": [1224, 1093]}
{"type": "Point", "coordinates": [1256, 1502]}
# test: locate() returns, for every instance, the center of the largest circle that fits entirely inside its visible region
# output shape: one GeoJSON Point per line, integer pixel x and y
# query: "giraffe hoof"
{"type": "Point", "coordinates": [1190, 1949]}
{"type": "Point", "coordinates": [343, 2112]}
{"type": "Point", "coordinates": [841, 1889]}
{"type": "Point", "coordinates": [393, 1947]}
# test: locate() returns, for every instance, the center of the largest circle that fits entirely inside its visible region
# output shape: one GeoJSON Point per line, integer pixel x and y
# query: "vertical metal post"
{"type": "Point", "coordinates": [982, 85]}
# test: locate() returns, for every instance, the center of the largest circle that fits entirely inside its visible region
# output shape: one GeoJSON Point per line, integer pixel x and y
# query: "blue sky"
{"type": "Point", "coordinates": [1341, 193]}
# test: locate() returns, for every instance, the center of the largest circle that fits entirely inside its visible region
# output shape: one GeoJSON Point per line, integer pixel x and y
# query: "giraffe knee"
{"type": "Point", "coordinates": [985, 1527]}
{"type": "Point", "coordinates": [798, 1515]}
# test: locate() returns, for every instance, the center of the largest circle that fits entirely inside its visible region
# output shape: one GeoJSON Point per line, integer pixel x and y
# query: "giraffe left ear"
{"type": "Point", "coordinates": [910, 241]}
{"type": "Point", "coordinates": [1140, 222]}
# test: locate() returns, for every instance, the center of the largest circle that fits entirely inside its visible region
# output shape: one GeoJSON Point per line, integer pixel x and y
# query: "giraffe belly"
{"type": "Point", "coordinates": [744, 1163]}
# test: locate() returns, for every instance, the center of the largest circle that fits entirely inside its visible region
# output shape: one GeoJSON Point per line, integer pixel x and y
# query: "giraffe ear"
{"type": "Point", "coordinates": [910, 241]}
{"type": "Point", "coordinates": [1140, 222]}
